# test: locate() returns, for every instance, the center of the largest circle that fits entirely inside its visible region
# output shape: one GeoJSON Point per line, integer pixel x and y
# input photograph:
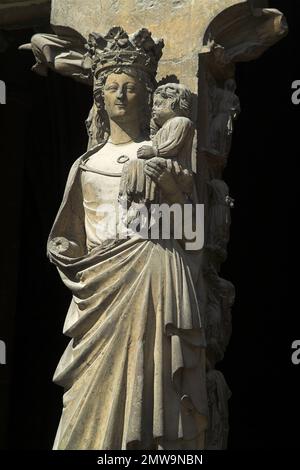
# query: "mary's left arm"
{"type": "Point", "coordinates": [159, 171]}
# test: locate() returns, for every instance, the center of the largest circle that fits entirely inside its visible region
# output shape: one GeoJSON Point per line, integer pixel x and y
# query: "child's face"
{"type": "Point", "coordinates": [162, 109]}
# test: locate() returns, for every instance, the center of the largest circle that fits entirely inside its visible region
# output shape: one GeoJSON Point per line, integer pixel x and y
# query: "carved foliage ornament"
{"type": "Point", "coordinates": [117, 48]}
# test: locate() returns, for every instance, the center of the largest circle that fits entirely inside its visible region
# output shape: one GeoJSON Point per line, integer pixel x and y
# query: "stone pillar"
{"type": "Point", "coordinates": [204, 39]}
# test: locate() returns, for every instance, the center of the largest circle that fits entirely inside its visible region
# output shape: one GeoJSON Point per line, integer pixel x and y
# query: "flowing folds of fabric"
{"type": "Point", "coordinates": [134, 370]}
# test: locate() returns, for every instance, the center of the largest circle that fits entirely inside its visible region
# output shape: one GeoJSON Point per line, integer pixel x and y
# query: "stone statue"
{"type": "Point", "coordinates": [172, 133]}
{"type": "Point", "coordinates": [62, 53]}
{"type": "Point", "coordinates": [172, 129]}
{"type": "Point", "coordinates": [218, 228]}
{"type": "Point", "coordinates": [218, 396]}
{"type": "Point", "coordinates": [134, 372]}
{"type": "Point", "coordinates": [225, 109]}
{"type": "Point", "coordinates": [138, 372]}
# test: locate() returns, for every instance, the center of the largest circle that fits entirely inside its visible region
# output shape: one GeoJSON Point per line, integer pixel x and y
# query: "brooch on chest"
{"type": "Point", "coordinates": [122, 159]}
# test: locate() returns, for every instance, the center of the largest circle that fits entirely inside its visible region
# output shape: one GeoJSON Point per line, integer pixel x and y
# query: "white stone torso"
{"type": "Point", "coordinates": [100, 192]}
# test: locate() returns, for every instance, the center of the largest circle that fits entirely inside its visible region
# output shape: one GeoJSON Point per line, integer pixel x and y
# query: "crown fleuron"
{"type": "Point", "coordinates": [117, 48]}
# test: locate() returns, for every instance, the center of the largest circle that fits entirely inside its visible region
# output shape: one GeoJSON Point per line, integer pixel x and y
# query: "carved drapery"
{"type": "Point", "coordinates": [240, 32]}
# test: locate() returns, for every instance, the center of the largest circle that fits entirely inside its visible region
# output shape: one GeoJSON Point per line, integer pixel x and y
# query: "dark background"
{"type": "Point", "coordinates": [42, 133]}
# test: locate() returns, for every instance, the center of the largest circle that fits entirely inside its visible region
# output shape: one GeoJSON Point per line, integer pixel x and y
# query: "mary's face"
{"type": "Point", "coordinates": [122, 97]}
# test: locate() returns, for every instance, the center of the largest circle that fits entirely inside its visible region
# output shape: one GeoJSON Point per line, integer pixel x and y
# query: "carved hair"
{"type": "Point", "coordinates": [182, 97]}
{"type": "Point", "coordinates": [182, 102]}
{"type": "Point", "coordinates": [102, 121]}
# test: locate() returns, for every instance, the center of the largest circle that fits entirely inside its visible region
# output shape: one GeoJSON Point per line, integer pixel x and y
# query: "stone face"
{"type": "Point", "coordinates": [182, 24]}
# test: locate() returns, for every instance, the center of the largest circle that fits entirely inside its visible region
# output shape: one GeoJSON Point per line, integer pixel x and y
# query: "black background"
{"type": "Point", "coordinates": [42, 132]}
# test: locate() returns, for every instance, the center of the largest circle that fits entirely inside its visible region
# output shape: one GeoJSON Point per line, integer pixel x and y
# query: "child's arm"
{"type": "Point", "coordinates": [173, 136]}
{"type": "Point", "coordinates": [171, 139]}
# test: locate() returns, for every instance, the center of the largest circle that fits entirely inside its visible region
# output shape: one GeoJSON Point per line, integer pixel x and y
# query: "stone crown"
{"type": "Point", "coordinates": [117, 48]}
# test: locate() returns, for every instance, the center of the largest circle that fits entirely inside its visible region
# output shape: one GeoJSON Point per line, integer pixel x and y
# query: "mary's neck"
{"type": "Point", "coordinates": [124, 132]}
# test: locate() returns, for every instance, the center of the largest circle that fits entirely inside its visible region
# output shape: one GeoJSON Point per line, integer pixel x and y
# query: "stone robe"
{"type": "Point", "coordinates": [134, 370]}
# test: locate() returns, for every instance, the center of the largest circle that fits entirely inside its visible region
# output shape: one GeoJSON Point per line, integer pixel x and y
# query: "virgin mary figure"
{"type": "Point", "coordinates": [134, 371]}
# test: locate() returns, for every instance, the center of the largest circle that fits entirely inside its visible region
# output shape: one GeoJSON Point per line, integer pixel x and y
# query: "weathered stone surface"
{"type": "Point", "coordinates": [204, 40]}
{"type": "Point", "coordinates": [135, 367]}
{"type": "Point", "coordinates": [182, 24]}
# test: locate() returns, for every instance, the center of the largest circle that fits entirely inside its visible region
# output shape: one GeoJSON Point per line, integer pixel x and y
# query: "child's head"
{"type": "Point", "coordinates": [171, 100]}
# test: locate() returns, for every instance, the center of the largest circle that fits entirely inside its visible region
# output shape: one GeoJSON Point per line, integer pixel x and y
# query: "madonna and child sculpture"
{"type": "Point", "coordinates": [144, 224]}
{"type": "Point", "coordinates": [134, 372]}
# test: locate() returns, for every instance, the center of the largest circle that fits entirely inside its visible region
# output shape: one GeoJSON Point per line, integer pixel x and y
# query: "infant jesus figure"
{"type": "Point", "coordinates": [172, 133]}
